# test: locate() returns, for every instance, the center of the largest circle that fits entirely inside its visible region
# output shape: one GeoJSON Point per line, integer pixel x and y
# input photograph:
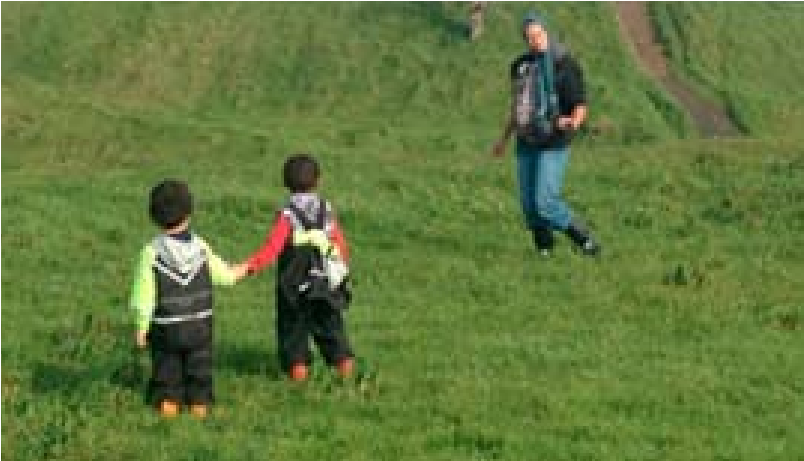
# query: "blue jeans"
{"type": "Point", "coordinates": [541, 175]}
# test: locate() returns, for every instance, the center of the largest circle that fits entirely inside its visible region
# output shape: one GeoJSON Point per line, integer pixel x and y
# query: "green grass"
{"type": "Point", "coordinates": [746, 54]}
{"type": "Point", "coordinates": [682, 342]}
{"type": "Point", "coordinates": [281, 66]}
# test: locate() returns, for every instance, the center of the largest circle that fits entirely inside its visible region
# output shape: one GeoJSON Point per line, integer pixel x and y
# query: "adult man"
{"type": "Point", "coordinates": [548, 105]}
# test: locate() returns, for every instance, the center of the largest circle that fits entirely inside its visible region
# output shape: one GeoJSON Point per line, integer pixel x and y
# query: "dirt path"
{"type": "Point", "coordinates": [635, 25]}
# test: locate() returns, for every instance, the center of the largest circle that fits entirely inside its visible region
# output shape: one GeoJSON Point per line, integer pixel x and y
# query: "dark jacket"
{"type": "Point", "coordinates": [569, 88]}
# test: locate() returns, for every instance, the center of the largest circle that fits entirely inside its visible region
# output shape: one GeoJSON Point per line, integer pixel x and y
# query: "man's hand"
{"type": "Point", "coordinates": [567, 124]}
{"type": "Point", "coordinates": [498, 150]}
{"type": "Point", "coordinates": [142, 338]}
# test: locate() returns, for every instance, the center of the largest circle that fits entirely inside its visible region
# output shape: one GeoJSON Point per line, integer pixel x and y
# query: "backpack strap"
{"type": "Point", "coordinates": [320, 221]}
{"type": "Point", "coordinates": [321, 218]}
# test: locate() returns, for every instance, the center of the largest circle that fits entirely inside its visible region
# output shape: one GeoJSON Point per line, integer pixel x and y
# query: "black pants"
{"type": "Point", "coordinates": [296, 323]}
{"type": "Point", "coordinates": [180, 373]}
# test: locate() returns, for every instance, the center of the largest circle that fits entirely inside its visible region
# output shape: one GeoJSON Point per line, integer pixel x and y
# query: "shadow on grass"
{"type": "Point", "coordinates": [249, 360]}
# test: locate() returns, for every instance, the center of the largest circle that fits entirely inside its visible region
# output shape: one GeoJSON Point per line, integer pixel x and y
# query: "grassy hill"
{"type": "Point", "coordinates": [316, 69]}
{"type": "Point", "coordinates": [682, 342]}
{"type": "Point", "coordinates": [747, 55]}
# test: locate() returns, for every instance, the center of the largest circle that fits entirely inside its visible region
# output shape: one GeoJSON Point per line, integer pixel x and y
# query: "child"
{"type": "Point", "coordinates": [172, 297]}
{"type": "Point", "coordinates": [306, 219]}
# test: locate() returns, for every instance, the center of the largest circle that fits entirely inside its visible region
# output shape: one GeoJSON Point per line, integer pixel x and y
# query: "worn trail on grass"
{"type": "Point", "coordinates": [635, 25]}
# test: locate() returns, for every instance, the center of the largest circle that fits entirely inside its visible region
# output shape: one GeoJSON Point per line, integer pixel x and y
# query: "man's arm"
{"type": "Point", "coordinates": [508, 129]}
{"type": "Point", "coordinates": [576, 95]}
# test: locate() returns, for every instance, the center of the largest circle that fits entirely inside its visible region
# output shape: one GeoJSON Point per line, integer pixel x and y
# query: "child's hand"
{"type": "Point", "coordinates": [240, 270]}
{"type": "Point", "coordinates": [142, 338]}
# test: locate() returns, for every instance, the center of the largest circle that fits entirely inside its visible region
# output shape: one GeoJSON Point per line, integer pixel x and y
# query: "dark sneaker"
{"type": "Point", "coordinates": [582, 239]}
{"type": "Point", "coordinates": [590, 248]}
{"type": "Point", "coordinates": [544, 241]}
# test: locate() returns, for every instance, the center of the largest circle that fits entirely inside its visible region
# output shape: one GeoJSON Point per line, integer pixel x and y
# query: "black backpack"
{"type": "Point", "coordinates": [302, 273]}
{"type": "Point", "coordinates": [538, 121]}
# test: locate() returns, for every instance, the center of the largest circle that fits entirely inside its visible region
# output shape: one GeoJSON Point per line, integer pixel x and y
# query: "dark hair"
{"type": "Point", "coordinates": [171, 202]}
{"type": "Point", "coordinates": [300, 173]}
